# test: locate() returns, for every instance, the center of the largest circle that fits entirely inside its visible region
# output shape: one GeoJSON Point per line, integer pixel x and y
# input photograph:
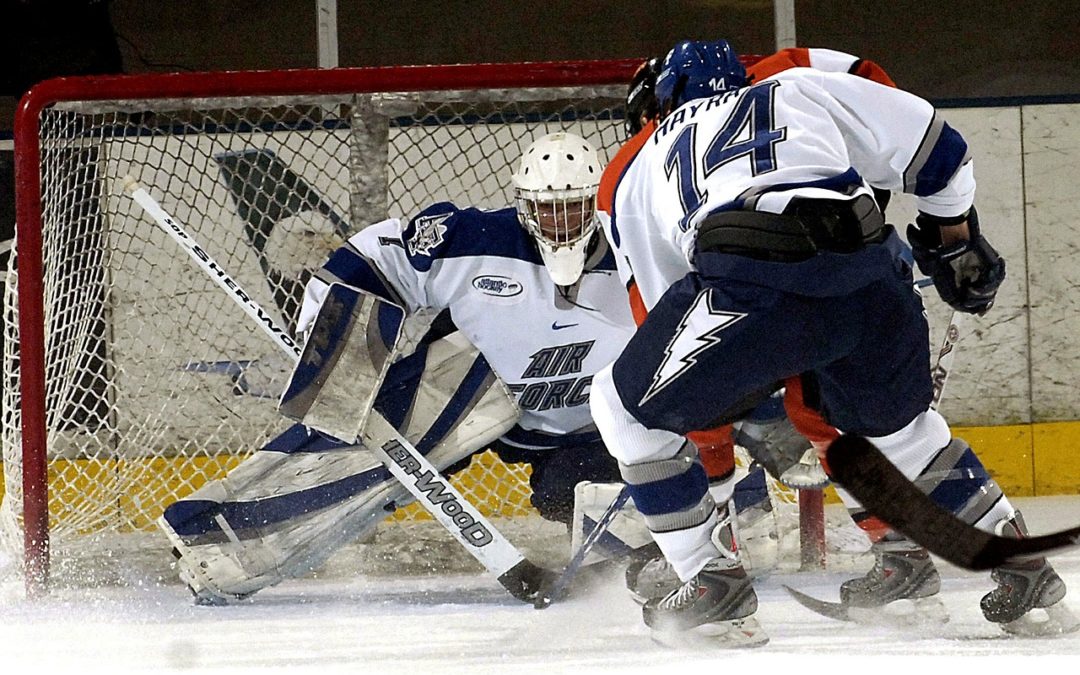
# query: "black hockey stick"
{"type": "Point", "coordinates": [857, 465]}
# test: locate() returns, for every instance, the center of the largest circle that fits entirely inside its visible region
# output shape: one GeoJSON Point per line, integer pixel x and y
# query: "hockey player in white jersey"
{"type": "Point", "coordinates": [748, 222]}
{"type": "Point", "coordinates": [533, 288]}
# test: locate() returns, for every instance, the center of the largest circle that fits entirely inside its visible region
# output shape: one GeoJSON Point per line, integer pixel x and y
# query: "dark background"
{"type": "Point", "coordinates": [949, 49]}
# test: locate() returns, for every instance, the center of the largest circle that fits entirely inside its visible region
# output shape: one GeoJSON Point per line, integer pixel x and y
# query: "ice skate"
{"type": "Point", "coordinates": [900, 589]}
{"type": "Point", "coordinates": [713, 609]}
{"type": "Point", "coordinates": [1029, 600]}
{"type": "Point", "coordinates": [716, 607]}
{"type": "Point", "coordinates": [651, 578]}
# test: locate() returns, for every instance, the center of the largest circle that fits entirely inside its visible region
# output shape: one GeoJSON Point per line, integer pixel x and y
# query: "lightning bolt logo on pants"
{"type": "Point", "coordinates": [698, 330]}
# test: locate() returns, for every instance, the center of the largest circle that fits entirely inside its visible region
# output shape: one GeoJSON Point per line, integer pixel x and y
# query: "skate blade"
{"type": "Point", "coordinates": [907, 613]}
{"type": "Point", "coordinates": [734, 634]}
{"type": "Point", "coordinates": [1052, 621]}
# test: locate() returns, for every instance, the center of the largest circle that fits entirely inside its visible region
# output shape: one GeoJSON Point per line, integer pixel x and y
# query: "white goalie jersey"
{"type": "Point", "coordinates": [545, 342]}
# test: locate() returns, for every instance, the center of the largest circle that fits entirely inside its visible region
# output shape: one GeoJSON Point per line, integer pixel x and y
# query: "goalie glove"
{"type": "Point", "coordinates": [967, 273]}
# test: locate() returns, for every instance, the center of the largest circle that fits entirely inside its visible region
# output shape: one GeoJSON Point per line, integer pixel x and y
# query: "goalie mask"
{"type": "Point", "coordinates": [555, 193]}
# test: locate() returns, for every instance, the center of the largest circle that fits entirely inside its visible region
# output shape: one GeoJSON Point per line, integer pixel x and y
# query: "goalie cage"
{"type": "Point", "coordinates": [128, 380]}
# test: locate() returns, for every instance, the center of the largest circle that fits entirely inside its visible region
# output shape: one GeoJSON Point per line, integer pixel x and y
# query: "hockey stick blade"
{"type": "Point", "coordinates": [832, 610]}
{"type": "Point", "coordinates": [928, 612]}
{"type": "Point", "coordinates": [557, 586]}
{"type": "Point", "coordinates": [526, 581]}
{"type": "Point", "coordinates": [860, 468]}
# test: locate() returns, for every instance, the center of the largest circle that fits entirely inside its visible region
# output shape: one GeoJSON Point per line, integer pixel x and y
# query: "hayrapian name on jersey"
{"type": "Point", "coordinates": [690, 110]}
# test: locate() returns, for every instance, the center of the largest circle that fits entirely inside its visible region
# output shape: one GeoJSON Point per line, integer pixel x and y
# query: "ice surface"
{"type": "Point", "coordinates": [467, 624]}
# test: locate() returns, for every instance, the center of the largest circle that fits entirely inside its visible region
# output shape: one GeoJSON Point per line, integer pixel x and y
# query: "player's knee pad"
{"type": "Point", "coordinates": [956, 480]}
{"type": "Point", "coordinates": [671, 494]}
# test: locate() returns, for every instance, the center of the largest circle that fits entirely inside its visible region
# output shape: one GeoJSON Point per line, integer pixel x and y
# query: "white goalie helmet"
{"type": "Point", "coordinates": [555, 193]}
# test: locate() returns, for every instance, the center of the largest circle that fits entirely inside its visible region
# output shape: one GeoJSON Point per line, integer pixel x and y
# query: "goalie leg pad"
{"type": "Point", "coordinates": [276, 516]}
{"type": "Point", "coordinates": [626, 533]}
{"type": "Point", "coordinates": [287, 508]}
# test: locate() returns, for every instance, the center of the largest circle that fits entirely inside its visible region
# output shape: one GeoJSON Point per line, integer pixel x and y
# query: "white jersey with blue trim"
{"type": "Point", "coordinates": [482, 266]}
{"type": "Point", "coordinates": [801, 132]}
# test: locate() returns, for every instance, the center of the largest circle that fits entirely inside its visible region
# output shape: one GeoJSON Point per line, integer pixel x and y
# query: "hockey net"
{"type": "Point", "coordinates": [153, 383]}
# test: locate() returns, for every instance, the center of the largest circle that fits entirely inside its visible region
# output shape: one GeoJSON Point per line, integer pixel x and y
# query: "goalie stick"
{"type": "Point", "coordinates": [518, 575]}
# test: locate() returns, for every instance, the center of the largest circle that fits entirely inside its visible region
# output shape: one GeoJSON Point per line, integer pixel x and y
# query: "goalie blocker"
{"type": "Point", "coordinates": [286, 509]}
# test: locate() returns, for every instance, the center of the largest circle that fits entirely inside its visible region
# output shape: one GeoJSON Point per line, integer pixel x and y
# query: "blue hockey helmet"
{"type": "Point", "coordinates": [698, 69]}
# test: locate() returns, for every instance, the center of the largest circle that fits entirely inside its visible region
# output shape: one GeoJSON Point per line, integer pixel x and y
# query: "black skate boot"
{"type": "Point", "coordinates": [715, 608]}
{"type": "Point", "coordinates": [902, 571]}
{"type": "Point", "coordinates": [651, 577]}
{"type": "Point", "coordinates": [1030, 596]}
{"type": "Point", "coordinates": [1024, 589]}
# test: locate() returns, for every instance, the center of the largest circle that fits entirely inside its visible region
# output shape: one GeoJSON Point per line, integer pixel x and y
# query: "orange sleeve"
{"type": "Point", "coordinates": [794, 57]}
{"type": "Point", "coordinates": [605, 195]}
{"type": "Point", "coordinates": [799, 57]}
{"type": "Point", "coordinates": [637, 305]}
{"type": "Point", "coordinates": [872, 71]}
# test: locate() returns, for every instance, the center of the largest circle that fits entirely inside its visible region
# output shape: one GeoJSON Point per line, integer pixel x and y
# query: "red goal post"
{"type": "Point", "coordinates": [118, 407]}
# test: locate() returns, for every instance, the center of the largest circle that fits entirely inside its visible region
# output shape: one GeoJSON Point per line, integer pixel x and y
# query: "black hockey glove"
{"type": "Point", "coordinates": [967, 274]}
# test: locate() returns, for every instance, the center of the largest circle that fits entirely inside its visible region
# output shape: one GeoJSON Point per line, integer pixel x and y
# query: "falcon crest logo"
{"type": "Point", "coordinates": [429, 233]}
{"type": "Point", "coordinates": [699, 329]}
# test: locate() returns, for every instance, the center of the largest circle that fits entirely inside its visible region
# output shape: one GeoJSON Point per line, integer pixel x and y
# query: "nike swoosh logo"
{"type": "Point", "coordinates": [555, 325]}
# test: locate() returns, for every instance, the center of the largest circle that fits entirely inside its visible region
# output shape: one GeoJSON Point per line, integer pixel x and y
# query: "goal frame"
{"type": "Point", "coordinates": [28, 207]}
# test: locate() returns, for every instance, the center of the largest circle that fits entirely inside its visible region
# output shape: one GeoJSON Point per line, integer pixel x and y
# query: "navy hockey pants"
{"type": "Point", "coordinates": [714, 346]}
